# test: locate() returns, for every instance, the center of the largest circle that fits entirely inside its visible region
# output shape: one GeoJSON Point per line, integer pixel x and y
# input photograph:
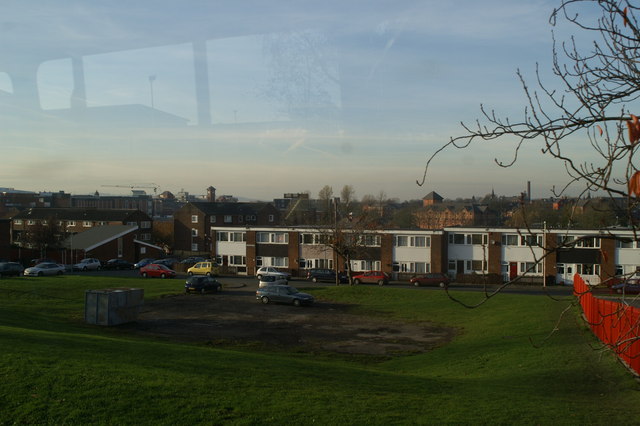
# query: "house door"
{"type": "Point", "coordinates": [513, 270]}
{"type": "Point", "coordinates": [565, 273]}
{"type": "Point", "coordinates": [459, 267]}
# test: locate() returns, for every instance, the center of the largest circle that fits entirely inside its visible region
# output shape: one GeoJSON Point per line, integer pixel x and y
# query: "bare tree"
{"type": "Point", "coordinates": [325, 193]}
{"type": "Point", "coordinates": [347, 196]}
{"type": "Point", "coordinates": [599, 87]}
{"type": "Point", "coordinates": [600, 90]}
{"type": "Point", "coordinates": [43, 235]}
{"type": "Point", "coordinates": [350, 238]}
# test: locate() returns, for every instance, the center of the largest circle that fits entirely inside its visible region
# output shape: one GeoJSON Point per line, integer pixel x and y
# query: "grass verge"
{"type": "Point", "coordinates": [502, 368]}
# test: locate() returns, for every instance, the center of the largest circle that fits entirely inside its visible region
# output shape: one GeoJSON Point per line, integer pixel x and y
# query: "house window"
{"type": "Point", "coordinates": [530, 267]}
{"type": "Point", "coordinates": [477, 239]}
{"type": "Point", "coordinates": [86, 224]}
{"type": "Point", "coordinates": [120, 247]}
{"type": "Point", "coordinates": [625, 243]}
{"type": "Point", "coordinates": [213, 218]}
{"type": "Point", "coordinates": [194, 246]}
{"type": "Point", "coordinates": [102, 223]}
{"type": "Point", "coordinates": [588, 269]}
{"type": "Point", "coordinates": [240, 217]}
{"type": "Point", "coordinates": [271, 218]}
{"type": "Point", "coordinates": [456, 238]}
{"type": "Point", "coordinates": [272, 237]}
{"type": "Point", "coordinates": [369, 240]}
{"type": "Point", "coordinates": [589, 242]}
{"type": "Point", "coordinates": [31, 222]}
{"type": "Point", "coordinates": [238, 237]}
{"type": "Point", "coordinates": [228, 218]}
{"type": "Point", "coordinates": [510, 240]}
{"type": "Point", "coordinates": [194, 218]}
{"type": "Point", "coordinates": [258, 261]}
{"type": "Point", "coordinates": [145, 224]}
{"type": "Point", "coordinates": [194, 232]}
{"type": "Point", "coordinates": [237, 260]}
{"type": "Point", "coordinates": [402, 241]}
{"type": "Point", "coordinates": [476, 265]}
{"type": "Point", "coordinates": [17, 222]}
{"type": "Point", "coordinates": [222, 236]}
{"type": "Point", "coordinates": [530, 240]}
{"type": "Point", "coordinates": [421, 241]}
{"type": "Point", "coordinates": [71, 223]}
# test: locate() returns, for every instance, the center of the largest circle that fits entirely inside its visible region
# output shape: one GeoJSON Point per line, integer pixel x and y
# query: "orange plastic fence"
{"type": "Point", "coordinates": [616, 324]}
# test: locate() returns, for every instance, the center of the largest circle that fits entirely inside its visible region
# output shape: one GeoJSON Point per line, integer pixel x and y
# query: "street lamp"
{"type": "Point", "coordinates": [152, 78]}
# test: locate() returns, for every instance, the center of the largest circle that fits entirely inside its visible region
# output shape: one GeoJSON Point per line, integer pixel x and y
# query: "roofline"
{"type": "Point", "coordinates": [113, 237]}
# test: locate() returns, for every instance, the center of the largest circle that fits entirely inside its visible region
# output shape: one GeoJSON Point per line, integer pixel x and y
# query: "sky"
{"type": "Point", "coordinates": [261, 98]}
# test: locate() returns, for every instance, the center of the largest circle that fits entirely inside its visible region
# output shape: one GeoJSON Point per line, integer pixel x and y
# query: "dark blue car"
{"type": "Point", "coordinates": [202, 284]}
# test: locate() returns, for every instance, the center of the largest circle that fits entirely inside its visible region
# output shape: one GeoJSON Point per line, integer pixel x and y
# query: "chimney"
{"type": "Point", "coordinates": [211, 194]}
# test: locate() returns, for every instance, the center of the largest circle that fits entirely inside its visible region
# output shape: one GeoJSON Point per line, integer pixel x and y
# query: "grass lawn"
{"type": "Point", "coordinates": [500, 369]}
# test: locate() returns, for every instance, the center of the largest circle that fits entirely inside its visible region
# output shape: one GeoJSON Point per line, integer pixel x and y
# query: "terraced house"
{"type": "Point", "coordinates": [549, 256]}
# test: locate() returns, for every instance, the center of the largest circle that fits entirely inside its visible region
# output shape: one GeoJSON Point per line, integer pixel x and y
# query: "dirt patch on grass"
{"type": "Point", "coordinates": [234, 317]}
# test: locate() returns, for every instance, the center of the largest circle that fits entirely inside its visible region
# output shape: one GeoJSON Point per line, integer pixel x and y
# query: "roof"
{"type": "Point", "coordinates": [211, 208]}
{"type": "Point", "coordinates": [433, 196]}
{"type": "Point", "coordinates": [77, 214]}
{"type": "Point", "coordinates": [97, 236]}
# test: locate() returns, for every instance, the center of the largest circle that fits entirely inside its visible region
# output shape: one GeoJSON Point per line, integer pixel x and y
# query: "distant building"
{"type": "Point", "coordinates": [432, 198]}
{"type": "Point", "coordinates": [139, 200]}
{"type": "Point", "coordinates": [440, 216]}
{"type": "Point", "coordinates": [193, 222]}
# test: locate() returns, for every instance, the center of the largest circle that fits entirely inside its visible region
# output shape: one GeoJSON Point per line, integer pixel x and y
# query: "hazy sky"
{"type": "Point", "coordinates": [261, 98]}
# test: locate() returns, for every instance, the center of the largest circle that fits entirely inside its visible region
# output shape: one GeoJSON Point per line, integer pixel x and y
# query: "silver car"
{"type": "Point", "coordinates": [45, 268]}
{"type": "Point", "coordinates": [283, 294]}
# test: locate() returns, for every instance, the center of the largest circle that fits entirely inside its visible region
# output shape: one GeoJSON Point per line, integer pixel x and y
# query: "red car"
{"type": "Point", "coordinates": [438, 279]}
{"type": "Point", "coordinates": [156, 270]}
{"type": "Point", "coordinates": [376, 277]}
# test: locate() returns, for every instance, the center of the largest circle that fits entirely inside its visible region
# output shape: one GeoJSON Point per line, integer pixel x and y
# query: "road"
{"type": "Point", "coordinates": [251, 283]}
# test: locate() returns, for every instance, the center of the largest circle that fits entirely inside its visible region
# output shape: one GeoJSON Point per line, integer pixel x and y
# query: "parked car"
{"type": "Point", "coordinates": [8, 269]}
{"type": "Point", "coordinates": [202, 284]}
{"type": "Point", "coordinates": [154, 270]}
{"type": "Point", "coordinates": [113, 264]}
{"type": "Point", "coordinates": [271, 271]}
{"type": "Point", "coordinates": [319, 274]}
{"type": "Point", "coordinates": [272, 280]}
{"type": "Point", "coordinates": [192, 260]}
{"type": "Point", "coordinates": [438, 279]}
{"type": "Point", "coordinates": [88, 264]}
{"type": "Point", "coordinates": [34, 262]}
{"type": "Point", "coordinates": [204, 268]}
{"type": "Point", "coordinates": [143, 262]}
{"type": "Point", "coordinates": [375, 277]}
{"type": "Point", "coordinates": [630, 286]}
{"type": "Point", "coordinates": [46, 268]}
{"type": "Point", "coordinates": [283, 294]}
{"type": "Point", "coordinates": [168, 262]}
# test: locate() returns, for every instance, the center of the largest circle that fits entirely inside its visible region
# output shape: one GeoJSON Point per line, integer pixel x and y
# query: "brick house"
{"type": "Point", "coordinates": [69, 221]}
{"type": "Point", "coordinates": [109, 242]}
{"type": "Point", "coordinates": [193, 222]}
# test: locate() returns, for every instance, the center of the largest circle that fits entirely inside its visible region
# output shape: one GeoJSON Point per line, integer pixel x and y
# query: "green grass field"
{"type": "Point", "coordinates": [500, 369]}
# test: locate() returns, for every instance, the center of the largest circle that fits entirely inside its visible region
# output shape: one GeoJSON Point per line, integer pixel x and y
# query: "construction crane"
{"type": "Point", "coordinates": [136, 186]}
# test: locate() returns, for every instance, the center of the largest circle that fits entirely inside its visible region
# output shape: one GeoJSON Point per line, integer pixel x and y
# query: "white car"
{"type": "Point", "coordinates": [88, 264]}
{"type": "Point", "coordinates": [46, 268]}
{"type": "Point", "coordinates": [270, 271]}
{"type": "Point", "coordinates": [272, 280]}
